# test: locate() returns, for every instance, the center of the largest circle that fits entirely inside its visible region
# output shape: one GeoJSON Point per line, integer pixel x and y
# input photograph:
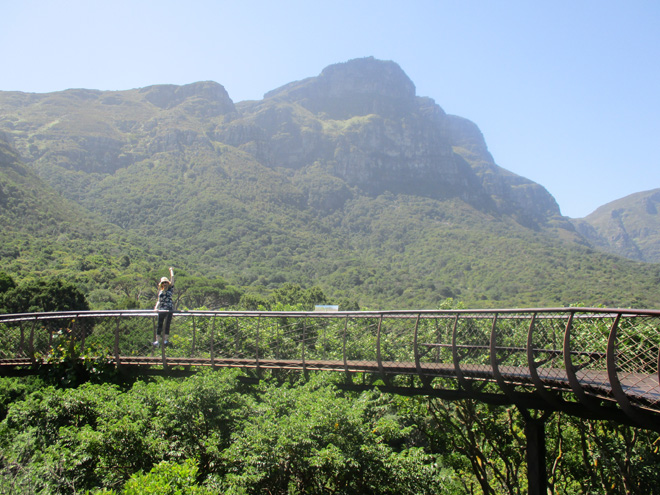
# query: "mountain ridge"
{"type": "Point", "coordinates": [403, 207]}
{"type": "Point", "coordinates": [628, 226]}
{"type": "Point", "coordinates": [394, 152]}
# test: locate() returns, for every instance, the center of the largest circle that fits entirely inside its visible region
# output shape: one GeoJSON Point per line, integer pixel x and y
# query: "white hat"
{"type": "Point", "coordinates": [164, 279]}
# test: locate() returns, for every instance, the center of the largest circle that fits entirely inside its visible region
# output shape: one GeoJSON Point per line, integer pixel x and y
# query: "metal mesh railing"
{"type": "Point", "coordinates": [547, 357]}
{"type": "Point", "coordinates": [574, 354]}
{"type": "Point", "coordinates": [636, 359]}
{"type": "Point", "coordinates": [587, 350]}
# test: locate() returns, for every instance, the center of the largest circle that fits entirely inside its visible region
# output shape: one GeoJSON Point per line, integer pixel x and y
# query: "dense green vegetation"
{"type": "Point", "coordinates": [211, 433]}
{"type": "Point", "coordinates": [383, 252]}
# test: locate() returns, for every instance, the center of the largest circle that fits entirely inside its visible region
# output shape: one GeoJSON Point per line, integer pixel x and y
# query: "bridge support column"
{"type": "Point", "coordinates": [537, 476]}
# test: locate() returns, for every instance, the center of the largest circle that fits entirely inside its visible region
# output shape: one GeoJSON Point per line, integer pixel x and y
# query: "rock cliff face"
{"type": "Point", "coordinates": [358, 87]}
{"type": "Point", "coordinates": [202, 99]}
{"type": "Point", "coordinates": [359, 123]}
{"type": "Point", "coordinates": [363, 121]}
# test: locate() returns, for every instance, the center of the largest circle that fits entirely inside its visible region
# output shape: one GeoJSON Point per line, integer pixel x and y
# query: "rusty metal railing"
{"type": "Point", "coordinates": [594, 358]}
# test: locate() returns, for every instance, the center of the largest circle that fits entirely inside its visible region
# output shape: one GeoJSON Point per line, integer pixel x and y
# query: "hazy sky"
{"type": "Point", "coordinates": [566, 93]}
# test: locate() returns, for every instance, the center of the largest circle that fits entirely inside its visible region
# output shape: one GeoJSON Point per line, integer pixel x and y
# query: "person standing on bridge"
{"type": "Point", "coordinates": [165, 308]}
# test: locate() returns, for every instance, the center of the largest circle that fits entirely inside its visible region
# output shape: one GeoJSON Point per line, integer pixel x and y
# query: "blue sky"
{"type": "Point", "coordinates": [566, 93]}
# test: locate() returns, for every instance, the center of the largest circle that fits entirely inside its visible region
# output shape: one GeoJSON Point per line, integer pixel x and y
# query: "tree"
{"type": "Point", "coordinates": [292, 294]}
{"type": "Point", "coordinates": [167, 478]}
{"type": "Point", "coordinates": [99, 436]}
{"type": "Point", "coordinates": [133, 288]}
{"type": "Point", "coordinates": [309, 438]}
{"type": "Point", "coordinates": [212, 293]}
{"type": "Point", "coordinates": [44, 296]}
{"type": "Point", "coordinates": [489, 440]}
{"type": "Point", "coordinates": [6, 282]}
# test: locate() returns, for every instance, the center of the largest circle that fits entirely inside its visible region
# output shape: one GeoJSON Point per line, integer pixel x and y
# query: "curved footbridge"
{"type": "Point", "coordinates": [590, 362]}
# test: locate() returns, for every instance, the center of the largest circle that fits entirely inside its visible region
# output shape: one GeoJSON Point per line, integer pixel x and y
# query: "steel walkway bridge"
{"type": "Point", "coordinates": [590, 362]}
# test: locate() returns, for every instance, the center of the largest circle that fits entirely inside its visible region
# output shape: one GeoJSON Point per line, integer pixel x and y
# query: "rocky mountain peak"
{"type": "Point", "coordinates": [358, 87]}
{"type": "Point", "coordinates": [206, 98]}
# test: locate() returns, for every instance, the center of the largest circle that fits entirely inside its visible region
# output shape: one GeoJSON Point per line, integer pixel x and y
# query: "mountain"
{"type": "Point", "coordinates": [359, 121]}
{"type": "Point", "coordinates": [362, 122]}
{"type": "Point", "coordinates": [43, 232]}
{"type": "Point", "coordinates": [347, 180]}
{"type": "Point", "coordinates": [628, 227]}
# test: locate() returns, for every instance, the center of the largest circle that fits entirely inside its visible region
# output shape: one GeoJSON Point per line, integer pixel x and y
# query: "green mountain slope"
{"type": "Point", "coordinates": [44, 234]}
{"type": "Point", "coordinates": [628, 227]}
{"type": "Point", "coordinates": [347, 180]}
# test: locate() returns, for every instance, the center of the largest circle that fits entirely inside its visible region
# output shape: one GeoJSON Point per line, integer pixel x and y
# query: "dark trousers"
{"type": "Point", "coordinates": [164, 317]}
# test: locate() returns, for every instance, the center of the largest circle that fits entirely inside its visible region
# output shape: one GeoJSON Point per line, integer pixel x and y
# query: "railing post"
{"type": "Point", "coordinates": [494, 362]}
{"type": "Point", "coordinates": [344, 347]}
{"type": "Point", "coordinates": [212, 342]}
{"type": "Point", "coordinates": [194, 337]}
{"type": "Point", "coordinates": [31, 343]}
{"type": "Point", "coordinates": [236, 353]}
{"type": "Point", "coordinates": [83, 336]}
{"type": "Point", "coordinates": [437, 338]}
{"type": "Point", "coordinates": [457, 359]}
{"type": "Point", "coordinates": [153, 324]}
{"type": "Point", "coordinates": [617, 389]}
{"type": "Point", "coordinates": [20, 344]}
{"type": "Point", "coordinates": [304, 336]}
{"type": "Point", "coordinates": [278, 354]}
{"type": "Point", "coordinates": [418, 365]}
{"type": "Point", "coordinates": [325, 339]}
{"type": "Point", "coordinates": [163, 355]}
{"type": "Point", "coordinates": [117, 363]}
{"type": "Point", "coordinates": [256, 350]}
{"type": "Point", "coordinates": [378, 356]}
{"type": "Point", "coordinates": [531, 364]}
{"type": "Point", "coordinates": [72, 337]}
{"type": "Point", "coordinates": [571, 371]}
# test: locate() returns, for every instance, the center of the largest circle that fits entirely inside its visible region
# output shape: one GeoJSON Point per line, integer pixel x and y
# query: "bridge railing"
{"type": "Point", "coordinates": [586, 355]}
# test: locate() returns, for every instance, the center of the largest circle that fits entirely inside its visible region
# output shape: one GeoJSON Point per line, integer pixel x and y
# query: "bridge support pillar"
{"type": "Point", "coordinates": [537, 476]}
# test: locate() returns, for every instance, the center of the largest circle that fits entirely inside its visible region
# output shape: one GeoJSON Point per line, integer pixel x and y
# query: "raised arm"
{"type": "Point", "coordinates": [171, 276]}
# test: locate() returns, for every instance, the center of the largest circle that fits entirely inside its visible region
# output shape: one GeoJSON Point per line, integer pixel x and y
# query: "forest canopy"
{"type": "Point", "coordinates": [215, 433]}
